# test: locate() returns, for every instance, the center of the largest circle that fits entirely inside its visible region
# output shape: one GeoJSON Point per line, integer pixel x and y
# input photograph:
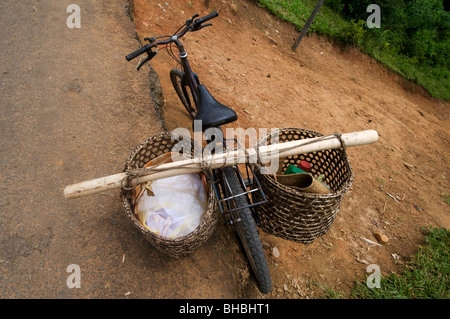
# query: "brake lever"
{"type": "Point", "coordinates": [189, 21]}
{"type": "Point", "coordinates": [205, 25]}
{"type": "Point", "coordinates": [151, 54]}
{"type": "Point", "coordinates": [142, 63]}
{"type": "Point", "coordinates": [196, 28]}
{"type": "Point", "coordinates": [151, 40]}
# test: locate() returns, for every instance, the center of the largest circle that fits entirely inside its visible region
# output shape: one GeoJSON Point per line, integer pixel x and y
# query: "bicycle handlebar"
{"type": "Point", "coordinates": [191, 26]}
{"type": "Point", "coordinates": [138, 52]}
{"type": "Point", "coordinates": [208, 17]}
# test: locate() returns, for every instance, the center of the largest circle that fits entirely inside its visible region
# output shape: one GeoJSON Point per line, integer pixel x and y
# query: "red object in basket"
{"type": "Point", "coordinates": [304, 165]}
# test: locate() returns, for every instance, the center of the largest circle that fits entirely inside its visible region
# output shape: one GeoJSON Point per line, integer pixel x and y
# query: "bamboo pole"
{"type": "Point", "coordinates": [192, 165]}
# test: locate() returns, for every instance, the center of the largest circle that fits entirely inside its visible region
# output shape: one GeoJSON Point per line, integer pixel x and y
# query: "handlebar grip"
{"type": "Point", "coordinates": [137, 53]}
{"type": "Point", "coordinates": [210, 16]}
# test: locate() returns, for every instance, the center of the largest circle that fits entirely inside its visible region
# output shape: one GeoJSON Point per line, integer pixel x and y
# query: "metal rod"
{"type": "Point", "coordinates": [307, 24]}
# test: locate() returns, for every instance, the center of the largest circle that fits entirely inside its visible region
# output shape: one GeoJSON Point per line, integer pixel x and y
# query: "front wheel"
{"type": "Point", "coordinates": [248, 233]}
{"type": "Point", "coordinates": [180, 84]}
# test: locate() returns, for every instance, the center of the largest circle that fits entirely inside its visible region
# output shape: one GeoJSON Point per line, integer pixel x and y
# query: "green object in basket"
{"type": "Point", "coordinates": [292, 169]}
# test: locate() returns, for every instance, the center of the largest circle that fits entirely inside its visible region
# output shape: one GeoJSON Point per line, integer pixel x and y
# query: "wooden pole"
{"type": "Point", "coordinates": [307, 24]}
{"type": "Point", "coordinates": [269, 152]}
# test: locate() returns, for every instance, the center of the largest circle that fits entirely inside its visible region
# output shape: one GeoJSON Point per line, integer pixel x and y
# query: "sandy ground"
{"type": "Point", "coordinates": [246, 62]}
{"type": "Point", "coordinates": [73, 109]}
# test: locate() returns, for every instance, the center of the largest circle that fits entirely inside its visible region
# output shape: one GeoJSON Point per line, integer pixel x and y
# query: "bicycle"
{"type": "Point", "coordinates": [238, 197]}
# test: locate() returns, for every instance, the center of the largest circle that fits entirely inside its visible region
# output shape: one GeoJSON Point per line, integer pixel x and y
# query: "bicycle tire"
{"type": "Point", "coordinates": [179, 83]}
{"type": "Point", "coordinates": [248, 235]}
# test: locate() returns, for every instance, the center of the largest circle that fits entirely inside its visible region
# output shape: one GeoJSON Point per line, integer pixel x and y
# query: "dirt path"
{"type": "Point", "coordinates": [246, 63]}
{"type": "Point", "coordinates": [72, 109]}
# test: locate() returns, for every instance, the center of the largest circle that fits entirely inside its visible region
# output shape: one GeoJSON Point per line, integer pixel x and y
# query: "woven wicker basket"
{"type": "Point", "coordinates": [181, 246]}
{"type": "Point", "coordinates": [299, 216]}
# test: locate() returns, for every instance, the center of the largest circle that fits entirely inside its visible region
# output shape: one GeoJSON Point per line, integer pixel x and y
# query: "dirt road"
{"type": "Point", "coordinates": [246, 62]}
{"type": "Point", "coordinates": [72, 109]}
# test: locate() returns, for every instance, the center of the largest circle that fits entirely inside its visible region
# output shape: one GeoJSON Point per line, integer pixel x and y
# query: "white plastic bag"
{"type": "Point", "coordinates": [177, 206]}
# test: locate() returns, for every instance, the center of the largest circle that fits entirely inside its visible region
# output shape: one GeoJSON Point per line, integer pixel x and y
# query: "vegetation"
{"type": "Point", "coordinates": [446, 198]}
{"type": "Point", "coordinates": [413, 39]}
{"type": "Point", "coordinates": [426, 276]}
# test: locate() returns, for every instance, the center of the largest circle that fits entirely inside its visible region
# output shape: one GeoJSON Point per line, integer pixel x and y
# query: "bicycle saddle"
{"type": "Point", "coordinates": [211, 112]}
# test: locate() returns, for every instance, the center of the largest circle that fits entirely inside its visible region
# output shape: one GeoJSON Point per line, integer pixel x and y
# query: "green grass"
{"type": "Point", "coordinates": [327, 22]}
{"type": "Point", "coordinates": [426, 276]}
{"type": "Point", "coordinates": [446, 198]}
{"type": "Point", "coordinates": [436, 80]}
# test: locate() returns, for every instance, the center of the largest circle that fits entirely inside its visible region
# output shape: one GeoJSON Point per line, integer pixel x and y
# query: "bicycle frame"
{"type": "Point", "coordinates": [237, 197]}
{"type": "Point", "coordinates": [193, 86]}
{"type": "Point", "coordinates": [225, 204]}
{"type": "Point", "coordinates": [192, 83]}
